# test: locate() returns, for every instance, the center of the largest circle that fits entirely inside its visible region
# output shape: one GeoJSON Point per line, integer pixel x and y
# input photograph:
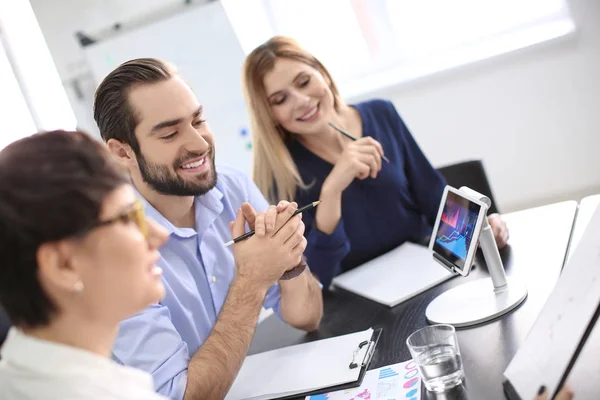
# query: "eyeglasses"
{"type": "Point", "coordinates": [135, 214]}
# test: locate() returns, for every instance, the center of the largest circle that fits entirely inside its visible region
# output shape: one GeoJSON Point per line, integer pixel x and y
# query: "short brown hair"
{"type": "Point", "coordinates": [52, 186]}
{"type": "Point", "coordinates": [114, 115]}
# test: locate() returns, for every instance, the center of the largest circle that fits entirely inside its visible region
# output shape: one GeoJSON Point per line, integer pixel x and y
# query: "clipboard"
{"type": "Point", "coordinates": [355, 363]}
{"type": "Point", "coordinates": [255, 380]}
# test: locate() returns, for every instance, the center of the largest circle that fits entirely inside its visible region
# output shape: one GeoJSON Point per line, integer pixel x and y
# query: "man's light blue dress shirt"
{"type": "Point", "coordinates": [197, 273]}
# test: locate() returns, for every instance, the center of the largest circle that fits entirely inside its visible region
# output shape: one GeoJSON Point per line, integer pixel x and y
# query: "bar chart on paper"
{"type": "Point", "coordinates": [394, 382]}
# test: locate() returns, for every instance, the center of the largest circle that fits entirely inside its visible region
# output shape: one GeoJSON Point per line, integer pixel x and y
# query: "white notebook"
{"type": "Point", "coordinates": [395, 276]}
{"type": "Point", "coordinates": [303, 368]}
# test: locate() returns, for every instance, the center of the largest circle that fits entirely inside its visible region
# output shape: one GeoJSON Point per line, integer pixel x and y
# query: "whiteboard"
{"type": "Point", "coordinates": [201, 42]}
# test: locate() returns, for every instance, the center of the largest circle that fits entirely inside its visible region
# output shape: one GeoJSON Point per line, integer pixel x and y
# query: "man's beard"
{"type": "Point", "coordinates": [163, 180]}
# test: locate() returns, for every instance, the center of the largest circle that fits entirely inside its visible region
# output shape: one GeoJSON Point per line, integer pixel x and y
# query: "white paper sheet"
{"type": "Point", "coordinates": [395, 276]}
{"type": "Point", "coordinates": [394, 382]}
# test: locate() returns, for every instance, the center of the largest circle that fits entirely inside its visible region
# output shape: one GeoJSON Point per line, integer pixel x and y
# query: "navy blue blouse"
{"type": "Point", "coordinates": [377, 214]}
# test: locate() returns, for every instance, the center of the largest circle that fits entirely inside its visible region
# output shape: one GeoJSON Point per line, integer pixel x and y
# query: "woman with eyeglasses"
{"type": "Point", "coordinates": [77, 256]}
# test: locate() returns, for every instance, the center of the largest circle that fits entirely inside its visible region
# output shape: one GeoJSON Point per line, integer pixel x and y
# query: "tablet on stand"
{"type": "Point", "coordinates": [461, 224]}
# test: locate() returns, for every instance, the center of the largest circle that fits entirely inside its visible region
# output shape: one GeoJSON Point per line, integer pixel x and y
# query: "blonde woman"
{"type": "Point", "coordinates": [369, 206]}
{"type": "Point", "coordinates": [78, 256]}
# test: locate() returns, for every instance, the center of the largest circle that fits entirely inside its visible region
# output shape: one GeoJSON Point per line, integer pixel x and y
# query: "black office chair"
{"type": "Point", "coordinates": [4, 326]}
{"type": "Point", "coordinates": [471, 174]}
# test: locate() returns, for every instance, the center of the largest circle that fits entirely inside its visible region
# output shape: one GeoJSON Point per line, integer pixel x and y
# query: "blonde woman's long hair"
{"type": "Point", "coordinates": [273, 169]}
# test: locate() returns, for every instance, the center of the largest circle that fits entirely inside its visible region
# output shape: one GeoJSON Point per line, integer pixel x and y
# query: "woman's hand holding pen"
{"type": "Point", "coordinates": [263, 258]}
{"type": "Point", "coordinates": [360, 159]}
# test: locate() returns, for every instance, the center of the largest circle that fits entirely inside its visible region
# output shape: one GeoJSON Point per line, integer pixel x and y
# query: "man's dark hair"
{"type": "Point", "coordinates": [114, 115]}
{"type": "Point", "coordinates": [52, 186]}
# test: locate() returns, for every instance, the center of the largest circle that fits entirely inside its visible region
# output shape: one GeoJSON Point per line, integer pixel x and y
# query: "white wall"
{"type": "Point", "coordinates": [531, 116]}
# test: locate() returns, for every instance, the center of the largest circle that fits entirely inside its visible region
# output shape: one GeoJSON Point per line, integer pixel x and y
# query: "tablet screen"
{"type": "Point", "coordinates": [455, 231]}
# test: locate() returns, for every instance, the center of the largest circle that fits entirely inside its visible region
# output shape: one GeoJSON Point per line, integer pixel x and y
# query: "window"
{"type": "Point", "coordinates": [27, 68]}
{"type": "Point", "coordinates": [370, 44]}
{"type": "Point", "coordinates": [17, 121]}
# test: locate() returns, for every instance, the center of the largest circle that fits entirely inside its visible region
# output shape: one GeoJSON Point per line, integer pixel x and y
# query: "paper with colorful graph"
{"type": "Point", "coordinates": [394, 382]}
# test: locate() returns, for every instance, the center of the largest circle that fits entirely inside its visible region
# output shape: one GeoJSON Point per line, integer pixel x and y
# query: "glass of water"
{"type": "Point", "coordinates": [435, 351]}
